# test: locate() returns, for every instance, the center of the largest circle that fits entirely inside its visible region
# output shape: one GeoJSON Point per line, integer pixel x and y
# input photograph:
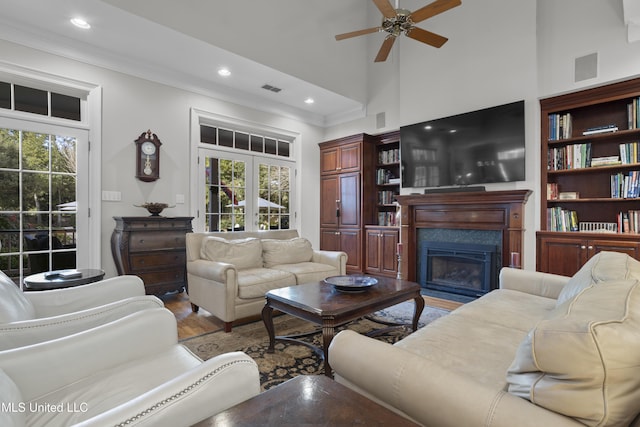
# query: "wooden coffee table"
{"type": "Point", "coordinates": [307, 400]}
{"type": "Point", "coordinates": [322, 304]}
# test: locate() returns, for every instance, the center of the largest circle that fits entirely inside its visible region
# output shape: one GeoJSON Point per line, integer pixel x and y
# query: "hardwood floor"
{"type": "Point", "coordinates": [191, 324]}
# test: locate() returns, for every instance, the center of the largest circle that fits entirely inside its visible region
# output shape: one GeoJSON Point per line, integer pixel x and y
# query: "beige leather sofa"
{"type": "Point", "coordinates": [130, 372]}
{"type": "Point", "coordinates": [543, 350]}
{"type": "Point", "coordinates": [228, 274]}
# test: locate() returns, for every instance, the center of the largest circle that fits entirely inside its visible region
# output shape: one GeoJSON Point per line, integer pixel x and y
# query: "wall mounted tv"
{"type": "Point", "coordinates": [479, 147]}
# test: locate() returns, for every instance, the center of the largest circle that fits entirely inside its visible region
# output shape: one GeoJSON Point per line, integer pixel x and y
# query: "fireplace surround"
{"type": "Point", "coordinates": [499, 212]}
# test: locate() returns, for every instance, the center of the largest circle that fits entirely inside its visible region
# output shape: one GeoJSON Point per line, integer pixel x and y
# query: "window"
{"type": "Point", "coordinates": [36, 101]}
{"type": "Point", "coordinates": [246, 177]}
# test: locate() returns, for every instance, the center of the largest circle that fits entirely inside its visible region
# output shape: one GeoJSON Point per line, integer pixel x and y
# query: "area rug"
{"type": "Point", "coordinates": [292, 359]}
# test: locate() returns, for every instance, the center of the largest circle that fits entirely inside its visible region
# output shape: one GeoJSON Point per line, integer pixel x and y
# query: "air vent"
{"type": "Point", "coordinates": [271, 88]}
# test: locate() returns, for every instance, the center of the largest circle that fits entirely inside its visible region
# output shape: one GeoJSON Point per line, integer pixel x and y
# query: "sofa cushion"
{"type": "Point", "coordinates": [242, 253]}
{"type": "Point", "coordinates": [582, 361]}
{"type": "Point", "coordinates": [14, 306]}
{"type": "Point", "coordinates": [13, 414]}
{"type": "Point", "coordinates": [290, 251]}
{"type": "Point", "coordinates": [602, 267]}
{"type": "Point", "coordinates": [307, 272]}
{"type": "Point", "coordinates": [255, 282]}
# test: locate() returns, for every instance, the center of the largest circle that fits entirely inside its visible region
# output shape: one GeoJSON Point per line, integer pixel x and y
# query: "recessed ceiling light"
{"type": "Point", "coordinates": [309, 101]}
{"type": "Point", "coordinates": [428, 127]}
{"type": "Point", "coordinates": [224, 72]}
{"type": "Point", "coordinates": [80, 23]}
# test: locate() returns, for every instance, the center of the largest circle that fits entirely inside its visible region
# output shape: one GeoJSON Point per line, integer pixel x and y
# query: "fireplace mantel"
{"type": "Point", "coordinates": [479, 210]}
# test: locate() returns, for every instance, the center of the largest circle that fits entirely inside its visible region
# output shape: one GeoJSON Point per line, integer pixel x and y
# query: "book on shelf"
{"type": "Point", "coordinates": [389, 156]}
{"type": "Point", "coordinates": [385, 176]}
{"type": "Point", "coordinates": [625, 186]}
{"type": "Point", "coordinates": [560, 126]}
{"type": "Point", "coordinates": [386, 197]}
{"type": "Point", "coordinates": [387, 219]}
{"type": "Point", "coordinates": [633, 114]}
{"type": "Point", "coordinates": [629, 153]}
{"type": "Point", "coordinates": [559, 219]}
{"type": "Point", "coordinates": [552, 191]}
{"type": "Point", "coordinates": [601, 129]}
{"type": "Point", "coordinates": [629, 222]}
{"type": "Point", "coordinates": [575, 156]}
{"type": "Point", "coordinates": [605, 161]}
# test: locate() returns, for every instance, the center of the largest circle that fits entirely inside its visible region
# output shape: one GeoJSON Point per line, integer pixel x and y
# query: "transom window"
{"type": "Point", "coordinates": [244, 141]}
{"type": "Point", "coordinates": [36, 101]}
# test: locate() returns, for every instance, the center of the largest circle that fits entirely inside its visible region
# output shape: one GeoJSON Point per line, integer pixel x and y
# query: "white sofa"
{"type": "Point", "coordinates": [543, 350]}
{"type": "Point", "coordinates": [32, 317]}
{"type": "Point", "coordinates": [228, 274]}
{"type": "Point", "coordinates": [128, 372]}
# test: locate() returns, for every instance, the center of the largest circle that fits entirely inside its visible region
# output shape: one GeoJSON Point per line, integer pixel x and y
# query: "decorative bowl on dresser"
{"type": "Point", "coordinates": [152, 248]}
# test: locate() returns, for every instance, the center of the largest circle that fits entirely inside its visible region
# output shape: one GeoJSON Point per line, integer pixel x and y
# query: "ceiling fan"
{"type": "Point", "coordinates": [396, 21]}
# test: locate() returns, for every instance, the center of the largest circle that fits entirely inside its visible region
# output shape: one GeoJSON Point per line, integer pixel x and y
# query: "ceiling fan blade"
{"type": "Point", "coordinates": [383, 53]}
{"type": "Point", "coordinates": [427, 37]}
{"type": "Point", "coordinates": [385, 8]}
{"type": "Point", "coordinates": [433, 9]}
{"type": "Point", "coordinates": [357, 33]}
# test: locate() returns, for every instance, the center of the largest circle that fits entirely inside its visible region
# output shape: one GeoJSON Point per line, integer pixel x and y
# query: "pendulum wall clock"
{"type": "Point", "coordinates": [148, 157]}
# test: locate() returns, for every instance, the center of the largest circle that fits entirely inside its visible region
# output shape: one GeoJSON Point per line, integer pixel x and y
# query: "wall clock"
{"type": "Point", "coordinates": [148, 157]}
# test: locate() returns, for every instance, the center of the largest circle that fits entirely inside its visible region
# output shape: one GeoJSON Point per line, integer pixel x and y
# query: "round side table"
{"type": "Point", "coordinates": [61, 279]}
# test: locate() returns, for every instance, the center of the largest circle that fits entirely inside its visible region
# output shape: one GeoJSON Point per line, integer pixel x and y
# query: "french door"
{"type": "Point", "coordinates": [244, 192]}
{"type": "Point", "coordinates": [43, 203]}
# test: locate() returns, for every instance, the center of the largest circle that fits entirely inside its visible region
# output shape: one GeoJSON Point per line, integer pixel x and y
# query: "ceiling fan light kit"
{"type": "Point", "coordinates": [402, 21]}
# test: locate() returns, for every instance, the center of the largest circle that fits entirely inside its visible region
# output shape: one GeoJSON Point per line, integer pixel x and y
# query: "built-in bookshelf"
{"type": "Point", "coordinates": [387, 178]}
{"type": "Point", "coordinates": [591, 176]}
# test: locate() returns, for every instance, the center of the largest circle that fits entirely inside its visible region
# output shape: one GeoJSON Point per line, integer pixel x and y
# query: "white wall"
{"type": "Point", "coordinates": [131, 106]}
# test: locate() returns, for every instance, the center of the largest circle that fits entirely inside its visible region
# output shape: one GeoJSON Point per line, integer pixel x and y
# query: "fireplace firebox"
{"type": "Point", "coordinates": [460, 268]}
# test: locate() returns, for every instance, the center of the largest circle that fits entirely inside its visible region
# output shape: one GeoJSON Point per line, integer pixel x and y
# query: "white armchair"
{"type": "Point", "coordinates": [31, 317]}
{"type": "Point", "coordinates": [128, 372]}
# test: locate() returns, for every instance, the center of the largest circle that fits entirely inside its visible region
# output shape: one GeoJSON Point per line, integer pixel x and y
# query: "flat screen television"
{"type": "Point", "coordinates": [479, 147]}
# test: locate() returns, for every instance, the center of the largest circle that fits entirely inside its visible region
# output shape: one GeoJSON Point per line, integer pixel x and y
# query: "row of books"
{"type": "Point", "coordinates": [625, 185]}
{"type": "Point", "coordinates": [385, 176]}
{"type": "Point", "coordinates": [629, 222]}
{"type": "Point", "coordinates": [386, 197]}
{"type": "Point", "coordinates": [389, 156]}
{"type": "Point", "coordinates": [559, 219]}
{"type": "Point", "coordinates": [630, 153]}
{"type": "Point", "coordinates": [560, 126]}
{"type": "Point", "coordinates": [569, 157]}
{"type": "Point", "coordinates": [633, 114]}
{"type": "Point", "coordinates": [387, 219]}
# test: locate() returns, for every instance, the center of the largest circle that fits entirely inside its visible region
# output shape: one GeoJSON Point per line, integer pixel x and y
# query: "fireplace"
{"type": "Point", "coordinates": [459, 268]}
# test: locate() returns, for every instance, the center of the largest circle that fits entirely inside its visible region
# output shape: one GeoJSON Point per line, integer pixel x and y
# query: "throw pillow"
{"type": "Point", "coordinates": [291, 251]}
{"type": "Point", "coordinates": [582, 360]}
{"type": "Point", "coordinates": [242, 253]}
{"type": "Point", "coordinates": [14, 306]}
{"type": "Point", "coordinates": [602, 267]}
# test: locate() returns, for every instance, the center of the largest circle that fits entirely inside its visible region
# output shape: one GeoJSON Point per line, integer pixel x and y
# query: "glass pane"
{"type": "Point", "coordinates": [285, 173]}
{"type": "Point", "coordinates": [257, 143]}
{"type": "Point", "coordinates": [225, 138]}
{"type": "Point", "coordinates": [283, 148]}
{"type": "Point", "coordinates": [270, 146]}
{"type": "Point", "coordinates": [9, 148]}
{"type": "Point", "coordinates": [63, 230]}
{"type": "Point", "coordinates": [242, 141]}
{"type": "Point", "coordinates": [63, 154]}
{"type": "Point", "coordinates": [31, 100]}
{"type": "Point", "coordinates": [35, 151]}
{"type": "Point", "coordinates": [65, 107]}
{"type": "Point", "coordinates": [9, 191]}
{"type": "Point", "coordinates": [35, 232]}
{"type": "Point", "coordinates": [207, 134]}
{"type": "Point", "coordinates": [9, 233]}
{"type": "Point", "coordinates": [35, 191]}
{"type": "Point", "coordinates": [263, 221]}
{"type": "Point", "coordinates": [63, 192]}
{"type": "Point", "coordinates": [5, 95]}
{"type": "Point", "coordinates": [284, 222]}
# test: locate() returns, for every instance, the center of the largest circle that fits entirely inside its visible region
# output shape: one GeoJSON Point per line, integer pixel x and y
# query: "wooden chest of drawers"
{"type": "Point", "coordinates": [152, 248]}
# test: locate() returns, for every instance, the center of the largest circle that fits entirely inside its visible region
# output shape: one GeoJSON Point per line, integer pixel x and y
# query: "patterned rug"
{"type": "Point", "coordinates": [292, 359]}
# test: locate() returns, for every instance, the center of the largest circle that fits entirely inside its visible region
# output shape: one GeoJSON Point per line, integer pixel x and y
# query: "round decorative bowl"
{"type": "Point", "coordinates": [154, 208]}
{"type": "Point", "coordinates": [351, 283]}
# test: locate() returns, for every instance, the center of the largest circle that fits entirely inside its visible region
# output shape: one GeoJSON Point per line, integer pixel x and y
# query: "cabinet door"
{"type": "Point", "coordinates": [631, 248]}
{"type": "Point", "coordinates": [329, 240]}
{"type": "Point", "coordinates": [373, 255]}
{"type": "Point", "coordinates": [388, 252]}
{"type": "Point", "coordinates": [349, 158]}
{"type": "Point", "coordinates": [349, 200]}
{"type": "Point", "coordinates": [560, 255]}
{"type": "Point", "coordinates": [329, 160]}
{"type": "Point", "coordinates": [351, 243]}
{"type": "Point", "coordinates": [329, 201]}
